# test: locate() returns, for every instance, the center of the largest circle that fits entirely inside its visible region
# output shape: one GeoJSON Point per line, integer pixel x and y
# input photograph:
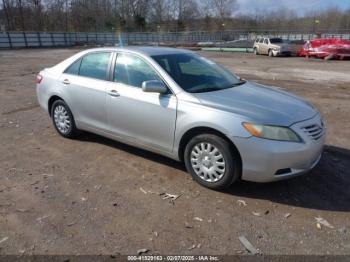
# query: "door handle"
{"type": "Point", "coordinates": [113, 93]}
{"type": "Point", "coordinates": [66, 82]}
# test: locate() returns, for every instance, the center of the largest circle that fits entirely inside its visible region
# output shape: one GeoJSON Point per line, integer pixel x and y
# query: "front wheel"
{"type": "Point", "coordinates": [256, 51]}
{"type": "Point", "coordinates": [63, 119]}
{"type": "Point", "coordinates": [211, 161]}
{"type": "Point", "coordinates": [271, 53]}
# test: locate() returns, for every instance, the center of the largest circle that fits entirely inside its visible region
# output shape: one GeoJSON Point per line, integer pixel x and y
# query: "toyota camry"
{"type": "Point", "coordinates": [187, 107]}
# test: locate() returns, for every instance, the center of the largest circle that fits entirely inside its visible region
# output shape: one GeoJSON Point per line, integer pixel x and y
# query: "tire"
{"type": "Point", "coordinates": [271, 53]}
{"type": "Point", "coordinates": [226, 168]}
{"type": "Point", "coordinates": [63, 119]}
{"type": "Point", "coordinates": [255, 51]}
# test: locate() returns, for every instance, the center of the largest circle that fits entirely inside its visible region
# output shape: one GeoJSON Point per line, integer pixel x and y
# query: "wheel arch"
{"type": "Point", "coordinates": [189, 134]}
{"type": "Point", "coordinates": [268, 51]}
{"type": "Point", "coordinates": [52, 99]}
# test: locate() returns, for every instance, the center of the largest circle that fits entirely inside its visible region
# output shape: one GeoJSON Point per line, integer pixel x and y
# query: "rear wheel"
{"type": "Point", "coordinates": [211, 161]}
{"type": "Point", "coordinates": [63, 119]}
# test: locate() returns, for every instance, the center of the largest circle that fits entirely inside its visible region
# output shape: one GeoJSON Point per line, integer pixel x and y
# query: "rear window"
{"type": "Point", "coordinates": [276, 40]}
{"type": "Point", "coordinates": [73, 69]}
{"type": "Point", "coordinates": [95, 65]}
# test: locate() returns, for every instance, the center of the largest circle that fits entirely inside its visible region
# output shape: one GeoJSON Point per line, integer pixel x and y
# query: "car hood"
{"type": "Point", "coordinates": [260, 104]}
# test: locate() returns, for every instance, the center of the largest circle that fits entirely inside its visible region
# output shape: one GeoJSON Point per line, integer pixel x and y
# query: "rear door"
{"type": "Point", "coordinates": [85, 83]}
{"type": "Point", "coordinates": [139, 117]}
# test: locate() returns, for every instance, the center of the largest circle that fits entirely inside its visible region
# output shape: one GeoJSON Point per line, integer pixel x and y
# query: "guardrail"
{"type": "Point", "coordinates": [66, 39]}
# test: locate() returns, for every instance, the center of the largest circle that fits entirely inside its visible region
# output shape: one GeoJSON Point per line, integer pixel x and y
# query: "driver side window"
{"type": "Point", "coordinates": [132, 70]}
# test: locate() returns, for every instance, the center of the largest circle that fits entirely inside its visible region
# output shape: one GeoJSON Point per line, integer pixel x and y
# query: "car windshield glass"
{"type": "Point", "coordinates": [196, 74]}
{"type": "Point", "coordinates": [276, 40]}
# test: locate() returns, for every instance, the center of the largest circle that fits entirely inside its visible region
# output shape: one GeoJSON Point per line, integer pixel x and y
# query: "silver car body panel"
{"type": "Point", "coordinates": [262, 158]}
{"type": "Point", "coordinates": [260, 104]}
{"type": "Point", "coordinates": [146, 117]}
{"type": "Point", "coordinates": [158, 122]}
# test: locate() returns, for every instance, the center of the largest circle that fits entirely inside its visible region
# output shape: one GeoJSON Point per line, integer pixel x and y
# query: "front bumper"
{"type": "Point", "coordinates": [266, 160]}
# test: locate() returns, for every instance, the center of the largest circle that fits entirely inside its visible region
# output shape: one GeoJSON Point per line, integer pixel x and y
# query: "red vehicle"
{"type": "Point", "coordinates": [327, 48]}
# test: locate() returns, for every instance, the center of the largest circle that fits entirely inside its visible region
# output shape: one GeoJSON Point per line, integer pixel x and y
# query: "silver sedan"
{"type": "Point", "coordinates": [179, 104]}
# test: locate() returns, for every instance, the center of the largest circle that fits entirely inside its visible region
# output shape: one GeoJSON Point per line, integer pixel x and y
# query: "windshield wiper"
{"type": "Point", "coordinates": [239, 83]}
{"type": "Point", "coordinates": [211, 89]}
{"type": "Point", "coordinates": [207, 89]}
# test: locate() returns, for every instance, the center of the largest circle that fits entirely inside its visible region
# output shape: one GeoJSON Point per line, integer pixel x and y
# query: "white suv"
{"type": "Point", "coordinates": [271, 47]}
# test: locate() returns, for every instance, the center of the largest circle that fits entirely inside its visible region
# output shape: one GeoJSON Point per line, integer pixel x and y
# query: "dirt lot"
{"type": "Point", "coordinates": [96, 196]}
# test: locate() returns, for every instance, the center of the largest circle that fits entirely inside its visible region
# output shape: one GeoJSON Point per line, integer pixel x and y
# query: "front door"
{"type": "Point", "coordinates": [143, 118]}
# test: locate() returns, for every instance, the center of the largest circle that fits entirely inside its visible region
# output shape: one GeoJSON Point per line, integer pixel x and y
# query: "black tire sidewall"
{"type": "Point", "coordinates": [232, 172]}
{"type": "Point", "coordinates": [72, 129]}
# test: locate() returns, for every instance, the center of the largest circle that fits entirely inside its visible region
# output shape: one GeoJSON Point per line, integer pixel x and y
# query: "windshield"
{"type": "Point", "coordinates": [196, 74]}
{"type": "Point", "coordinates": [276, 40]}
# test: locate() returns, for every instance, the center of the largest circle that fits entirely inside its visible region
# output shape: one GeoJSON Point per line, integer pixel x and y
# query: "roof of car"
{"type": "Point", "coordinates": [147, 50]}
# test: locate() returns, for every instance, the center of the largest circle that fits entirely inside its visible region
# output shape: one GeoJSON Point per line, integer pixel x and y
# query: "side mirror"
{"type": "Point", "coordinates": [154, 86]}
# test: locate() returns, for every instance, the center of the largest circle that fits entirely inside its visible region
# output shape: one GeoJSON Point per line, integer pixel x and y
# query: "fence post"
{"type": "Point", "coordinates": [25, 38]}
{"type": "Point", "coordinates": [9, 39]}
{"type": "Point", "coordinates": [52, 39]}
{"type": "Point", "coordinates": [65, 38]}
{"type": "Point", "coordinates": [69, 39]}
{"type": "Point", "coordinates": [87, 38]}
{"type": "Point", "coordinates": [39, 38]}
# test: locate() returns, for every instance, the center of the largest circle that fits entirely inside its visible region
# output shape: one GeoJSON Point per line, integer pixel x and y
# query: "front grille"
{"type": "Point", "coordinates": [315, 131]}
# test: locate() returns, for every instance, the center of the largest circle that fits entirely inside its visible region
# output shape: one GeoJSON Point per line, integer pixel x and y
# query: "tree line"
{"type": "Point", "coordinates": [160, 16]}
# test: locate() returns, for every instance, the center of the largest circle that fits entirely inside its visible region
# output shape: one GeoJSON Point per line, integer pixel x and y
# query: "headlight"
{"type": "Point", "coordinates": [272, 132]}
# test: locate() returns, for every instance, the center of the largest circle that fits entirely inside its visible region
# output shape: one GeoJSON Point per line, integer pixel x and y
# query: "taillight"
{"type": "Point", "coordinates": [39, 78]}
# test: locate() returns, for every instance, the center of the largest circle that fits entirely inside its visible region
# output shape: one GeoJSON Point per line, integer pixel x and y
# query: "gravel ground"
{"type": "Point", "coordinates": [96, 196]}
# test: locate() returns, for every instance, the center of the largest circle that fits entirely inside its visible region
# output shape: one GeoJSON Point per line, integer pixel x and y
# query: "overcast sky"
{"type": "Point", "coordinates": [300, 6]}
